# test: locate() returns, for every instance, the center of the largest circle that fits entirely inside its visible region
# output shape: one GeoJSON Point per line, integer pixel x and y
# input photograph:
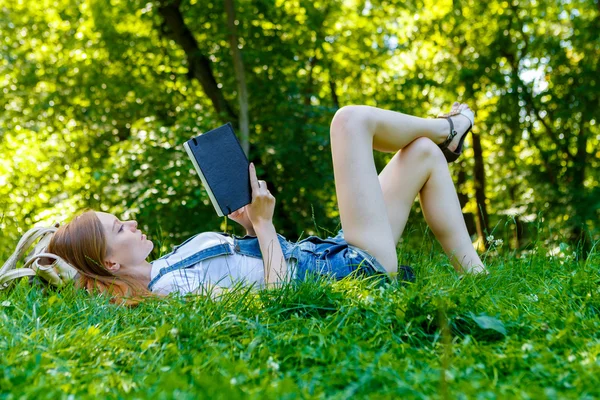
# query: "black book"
{"type": "Point", "coordinates": [222, 167]}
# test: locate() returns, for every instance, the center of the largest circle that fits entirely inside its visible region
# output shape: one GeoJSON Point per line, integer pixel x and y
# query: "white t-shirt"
{"type": "Point", "coordinates": [223, 271]}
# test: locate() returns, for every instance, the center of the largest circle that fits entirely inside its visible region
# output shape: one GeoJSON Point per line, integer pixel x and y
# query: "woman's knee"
{"type": "Point", "coordinates": [352, 120]}
{"type": "Point", "coordinates": [423, 148]}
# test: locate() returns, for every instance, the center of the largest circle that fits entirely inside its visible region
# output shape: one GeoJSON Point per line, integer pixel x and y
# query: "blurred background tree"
{"type": "Point", "coordinates": [98, 96]}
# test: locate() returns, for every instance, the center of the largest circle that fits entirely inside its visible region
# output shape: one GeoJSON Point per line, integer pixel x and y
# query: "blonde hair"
{"type": "Point", "coordinates": [82, 243]}
{"type": "Point", "coordinates": [75, 251]}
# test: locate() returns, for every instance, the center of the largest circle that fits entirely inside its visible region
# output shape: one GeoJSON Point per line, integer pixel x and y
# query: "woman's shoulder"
{"type": "Point", "coordinates": [209, 238]}
{"type": "Point", "coordinates": [198, 242]}
{"type": "Point", "coordinates": [202, 241]}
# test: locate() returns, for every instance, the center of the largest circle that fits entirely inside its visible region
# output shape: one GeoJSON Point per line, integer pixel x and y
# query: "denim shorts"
{"type": "Point", "coordinates": [333, 257]}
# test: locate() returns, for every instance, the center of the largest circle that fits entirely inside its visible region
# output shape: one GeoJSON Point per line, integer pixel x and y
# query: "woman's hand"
{"type": "Point", "coordinates": [261, 210]}
{"type": "Point", "coordinates": [241, 217]}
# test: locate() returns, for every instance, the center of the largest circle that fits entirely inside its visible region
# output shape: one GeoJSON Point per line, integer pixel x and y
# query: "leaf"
{"type": "Point", "coordinates": [487, 322]}
{"type": "Point", "coordinates": [52, 300]}
{"type": "Point", "coordinates": [92, 331]}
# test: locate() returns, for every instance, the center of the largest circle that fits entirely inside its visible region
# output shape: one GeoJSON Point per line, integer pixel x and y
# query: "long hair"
{"type": "Point", "coordinates": [82, 243]}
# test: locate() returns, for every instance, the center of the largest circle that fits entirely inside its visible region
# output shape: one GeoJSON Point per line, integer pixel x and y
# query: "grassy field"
{"type": "Point", "coordinates": [529, 330]}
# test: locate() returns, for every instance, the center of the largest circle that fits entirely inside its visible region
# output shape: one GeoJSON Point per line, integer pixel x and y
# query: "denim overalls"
{"type": "Point", "coordinates": [331, 257]}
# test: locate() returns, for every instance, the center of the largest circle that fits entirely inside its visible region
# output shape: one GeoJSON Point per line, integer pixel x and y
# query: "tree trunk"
{"type": "Point", "coordinates": [518, 232]}
{"type": "Point", "coordinates": [240, 76]}
{"type": "Point", "coordinates": [199, 64]}
{"type": "Point", "coordinates": [308, 90]}
{"type": "Point", "coordinates": [579, 231]}
{"type": "Point", "coordinates": [479, 180]}
{"type": "Point", "coordinates": [334, 96]}
{"type": "Point", "coordinates": [464, 199]}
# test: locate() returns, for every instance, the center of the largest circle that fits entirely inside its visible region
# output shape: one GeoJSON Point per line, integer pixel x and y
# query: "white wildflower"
{"type": "Point", "coordinates": [527, 347]}
{"type": "Point", "coordinates": [533, 298]}
{"type": "Point", "coordinates": [272, 364]}
{"type": "Point", "coordinates": [449, 375]}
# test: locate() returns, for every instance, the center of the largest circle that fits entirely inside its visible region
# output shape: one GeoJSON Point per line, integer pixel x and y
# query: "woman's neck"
{"type": "Point", "coordinates": [141, 273]}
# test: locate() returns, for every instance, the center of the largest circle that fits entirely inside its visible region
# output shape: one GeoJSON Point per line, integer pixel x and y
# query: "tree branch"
{"type": "Point", "coordinates": [199, 64]}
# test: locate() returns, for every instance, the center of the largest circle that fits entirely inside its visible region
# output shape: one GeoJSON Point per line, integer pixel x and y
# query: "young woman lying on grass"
{"type": "Point", "coordinates": [110, 254]}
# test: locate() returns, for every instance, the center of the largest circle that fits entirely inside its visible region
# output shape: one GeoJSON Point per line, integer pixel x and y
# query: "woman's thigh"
{"type": "Point", "coordinates": [361, 202]}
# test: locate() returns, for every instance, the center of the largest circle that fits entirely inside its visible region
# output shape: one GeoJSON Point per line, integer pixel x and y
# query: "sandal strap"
{"type": "Point", "coordinates": [452, 134]}
{"type": "Point", "coordinates": [449, 114]}
{"type": "Point", "coordinates": [465, 113]}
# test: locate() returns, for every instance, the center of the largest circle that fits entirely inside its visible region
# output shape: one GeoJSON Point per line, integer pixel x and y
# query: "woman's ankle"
{"type": "Point", "coordinates": [440, 130]}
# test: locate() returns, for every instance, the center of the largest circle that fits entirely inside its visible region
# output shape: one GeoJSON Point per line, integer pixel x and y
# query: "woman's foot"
{"type": "Point", "coordinates": [461, 119]}
{"type": "Point", "coordinates": [461, 125]}
{"type": "Point", "coordinates": [477, 270]}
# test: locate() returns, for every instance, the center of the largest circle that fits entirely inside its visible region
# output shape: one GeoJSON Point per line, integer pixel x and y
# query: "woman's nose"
{"type": "Point", "coordinates": [134, 224]}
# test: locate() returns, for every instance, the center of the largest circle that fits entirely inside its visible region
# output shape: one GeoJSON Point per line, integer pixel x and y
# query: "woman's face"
{"type": "Point", "coordinates": [126, 245]}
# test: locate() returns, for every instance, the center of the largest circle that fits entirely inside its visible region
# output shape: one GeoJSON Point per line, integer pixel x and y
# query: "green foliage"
{"type": "Point", "coordinates": [319, 339]}
{"type": "Point", "coordinates": [97, 99]}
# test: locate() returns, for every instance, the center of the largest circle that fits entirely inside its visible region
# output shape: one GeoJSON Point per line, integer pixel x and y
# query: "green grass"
{"type": "Point", "coordinates": [320, 339]}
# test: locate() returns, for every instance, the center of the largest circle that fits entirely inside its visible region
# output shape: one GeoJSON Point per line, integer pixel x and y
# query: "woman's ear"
{"type": "Point", "coordinates": [112, 267]}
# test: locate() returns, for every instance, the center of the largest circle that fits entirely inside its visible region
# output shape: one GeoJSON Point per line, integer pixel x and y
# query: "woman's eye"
{"type": "Point", "coordinates": [121, 229]}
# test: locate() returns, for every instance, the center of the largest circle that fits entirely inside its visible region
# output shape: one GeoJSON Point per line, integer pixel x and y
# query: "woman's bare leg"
{"type": "Point", "coordinates": [420, 168]}
{"type": "Point", "coordinates": [355, 132]}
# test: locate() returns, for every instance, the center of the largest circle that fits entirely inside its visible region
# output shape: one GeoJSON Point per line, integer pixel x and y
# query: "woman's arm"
{"type": "Point", "coordinates": [270, 248]}
{"type": "Point", "coordinates": [260, 213]}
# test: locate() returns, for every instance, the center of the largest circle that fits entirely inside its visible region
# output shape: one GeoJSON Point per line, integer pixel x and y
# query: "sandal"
{"type": "Point", "coordinates": [450, 155]}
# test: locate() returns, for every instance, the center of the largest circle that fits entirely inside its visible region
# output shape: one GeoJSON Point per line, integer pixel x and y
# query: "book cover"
{"type": "Point", "coordinates": [223, 168]}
